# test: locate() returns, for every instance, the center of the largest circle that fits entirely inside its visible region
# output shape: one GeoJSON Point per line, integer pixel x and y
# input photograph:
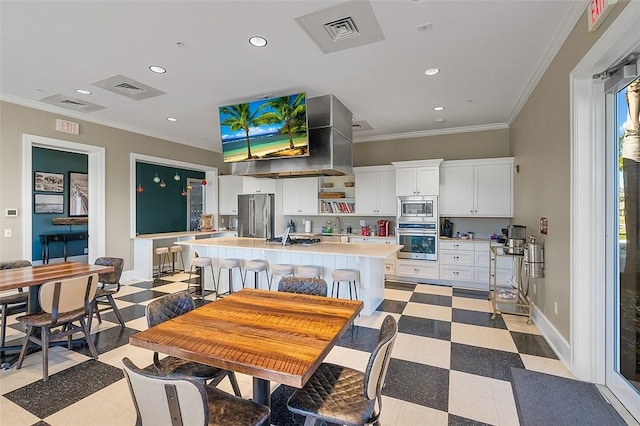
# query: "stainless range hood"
{"type": "Point", "coordinates": [330, 150]}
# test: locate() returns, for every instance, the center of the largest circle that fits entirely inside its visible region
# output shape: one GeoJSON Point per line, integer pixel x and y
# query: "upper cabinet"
{"type": "Point", "coordinates": [477, 188]}
{"type": "Point", "coordinates": [300, 196]}
{"type": "Point", "coordinates": [420, 177]}
{"type": "Point", "coordinates": [229, 189]}
{"type": "Point", "coordinates": [251, 185]}
{"type": "Point", "coordinates": [375, 190]}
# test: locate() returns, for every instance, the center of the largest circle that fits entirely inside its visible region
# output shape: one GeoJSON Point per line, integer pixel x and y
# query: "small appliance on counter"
{"type": "Point", "coordinates": [516, 239]}
{"type": "Point", "coordinates": [447, 228]}
{"type": "Point", "coordinates": [383, 228]}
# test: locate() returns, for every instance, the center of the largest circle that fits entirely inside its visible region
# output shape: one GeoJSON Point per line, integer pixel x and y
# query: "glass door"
{"type": "Point", "coordinates": [195, 203]}
{"type": "Point", "coordinates": [623, 283]}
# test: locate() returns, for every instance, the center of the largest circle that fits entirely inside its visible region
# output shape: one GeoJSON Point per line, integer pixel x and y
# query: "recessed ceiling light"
{"type": "Point", "coordinates": [440, 120]}
{"type": "Point", "coordinates": [438, 108]}
{"type": "Point", "coordinates": [172, 119]}
{"type": "Point", "coordinates": [432, 71]}
{"type": "Point", "coordinates": [258, 41]}
{"type": "Point", "coordinates": [157, 69]}
{"type": "Point", "coordinates": [83, 92]}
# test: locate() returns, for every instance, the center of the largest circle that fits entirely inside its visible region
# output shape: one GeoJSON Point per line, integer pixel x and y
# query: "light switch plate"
{"type": "Point", "coordinates": [8, 233]}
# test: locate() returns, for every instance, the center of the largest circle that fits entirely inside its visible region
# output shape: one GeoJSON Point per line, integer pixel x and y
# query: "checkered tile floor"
{"type": "Point", "coordinates": [450, 363]}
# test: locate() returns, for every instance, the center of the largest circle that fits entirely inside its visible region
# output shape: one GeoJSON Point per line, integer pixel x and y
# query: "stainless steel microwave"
{"type": "Point", "coordinates": [418, 209]}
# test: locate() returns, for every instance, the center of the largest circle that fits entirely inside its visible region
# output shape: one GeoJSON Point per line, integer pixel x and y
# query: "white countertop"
{"type": "Point", "coordinates": [345, 249]}
{"type": "Point", "coordinates": [178, 234]}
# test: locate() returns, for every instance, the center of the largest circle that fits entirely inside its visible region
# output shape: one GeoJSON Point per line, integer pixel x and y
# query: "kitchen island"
{"type": "Point", "coordinates": [367, 258]}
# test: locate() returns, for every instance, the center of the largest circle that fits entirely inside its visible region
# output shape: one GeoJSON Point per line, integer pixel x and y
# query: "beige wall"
{"type": "Point", "coordinates": [17, 120]}
{"type": "Point", "coordinates": [540, 142]}
{"type": "Point", "coordinates": [459, 146]}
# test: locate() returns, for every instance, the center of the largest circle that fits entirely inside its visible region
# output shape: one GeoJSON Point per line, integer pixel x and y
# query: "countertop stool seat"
{"type": "Point", "coordinates": [201, 263]}
{"type": "Point", "coordinates": [174, 250]}
{"type": "Point", "coordinates": [280, 270]}
{"type": "Point", "coordinates": [350, 276]}
{"type": "Point", "coordinates": [256, 266]}
{"type": "Point", "coordinates": [309, 271]}
{"type": "Point", "coordinates": [163, 254]}
{"type": "Point", "coordinates": [230, 265]}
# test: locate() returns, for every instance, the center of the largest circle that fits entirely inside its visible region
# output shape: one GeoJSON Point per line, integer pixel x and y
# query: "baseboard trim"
{"type": "Point", "coordinates": [559, 344]}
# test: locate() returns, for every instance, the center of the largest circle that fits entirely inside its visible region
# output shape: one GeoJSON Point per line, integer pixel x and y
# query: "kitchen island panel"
{"type": "Point", "coordinates": [367, 258]}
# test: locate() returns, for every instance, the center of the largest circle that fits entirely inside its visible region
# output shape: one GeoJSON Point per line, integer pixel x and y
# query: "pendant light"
{"type": "Point", "coordinates": [177, 176]}
{"type": "Point", "coordinates": [139, 188]}
{"type": "Point", "coordinates": [156, 179]}
{"type": "Point", "coordinates": [162, 184]}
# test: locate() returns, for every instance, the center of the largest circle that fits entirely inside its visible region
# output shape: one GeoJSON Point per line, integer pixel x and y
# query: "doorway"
{"type": "Point", "coordinates": [623, 219]}
{"type": "Point", "coordinates": [96, 182]}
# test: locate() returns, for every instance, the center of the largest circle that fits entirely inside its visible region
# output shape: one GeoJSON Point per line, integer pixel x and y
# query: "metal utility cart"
{"type": "Point", "coordinates": [514, 299]}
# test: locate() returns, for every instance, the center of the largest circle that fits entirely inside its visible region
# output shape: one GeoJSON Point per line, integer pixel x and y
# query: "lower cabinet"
{"type": "Point", "coordinates": [470, 262]}
{"type": "Point", "coordinates": [417, 269]}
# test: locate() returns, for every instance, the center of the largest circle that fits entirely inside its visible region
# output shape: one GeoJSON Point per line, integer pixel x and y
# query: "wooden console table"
{"type": "Point", "coordinates": [59, 237]}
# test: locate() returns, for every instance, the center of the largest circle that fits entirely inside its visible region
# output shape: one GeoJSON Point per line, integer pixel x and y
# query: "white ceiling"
{"type": "Point", "coordinates": [490, 53]}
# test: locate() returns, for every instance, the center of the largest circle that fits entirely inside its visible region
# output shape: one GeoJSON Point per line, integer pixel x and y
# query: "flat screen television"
{"type": "Point", "coordinates": [265, 129]}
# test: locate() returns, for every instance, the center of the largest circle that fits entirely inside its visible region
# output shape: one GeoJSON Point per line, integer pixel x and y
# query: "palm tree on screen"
{"type": "Point", "coordinates": [241, 118]}
{"type": "Point", "coordinates": [287, 110]}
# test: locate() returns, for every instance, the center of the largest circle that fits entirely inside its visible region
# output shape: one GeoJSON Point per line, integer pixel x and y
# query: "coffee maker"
{"type": "Point", "coordinates": [383, 228]}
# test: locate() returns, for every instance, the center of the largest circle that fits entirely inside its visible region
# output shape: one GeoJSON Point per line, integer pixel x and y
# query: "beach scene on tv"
{"type": "Point", "coordinates": [265, 129]}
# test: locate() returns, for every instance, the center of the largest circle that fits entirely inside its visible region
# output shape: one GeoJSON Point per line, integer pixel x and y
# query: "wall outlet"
{"type": "Point", "coordinates": [8, 233]}
{"type": "Point", "coordinates": [555, 308]}
{"type": "Point", "coordinates": [86, 251]}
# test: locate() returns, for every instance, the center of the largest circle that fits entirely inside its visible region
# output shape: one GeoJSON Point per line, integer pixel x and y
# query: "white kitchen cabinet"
{"type": "Point", "coordinates": [300, 196]}
{"type": "Point", "coordinates": [229, 187]}
{"type": "Point", "coordinates": [423, 269]}
{"type": "Point", "coordinates": [375, 191]}
{"type": "Point", "coordinates": [457, 260]}
{"type": "Point", "coordinates": [389, 262]}
{"type": "Point", "coordinates": [251, 185]}
{"type": "Point", "coordinates": [477, 188]}
{"type": "Point", "coordinates": [421, 177]}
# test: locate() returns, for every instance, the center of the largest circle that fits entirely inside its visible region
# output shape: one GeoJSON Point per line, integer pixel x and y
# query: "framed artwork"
{"type": "Point", "coordinates": [78, 194]}
{"type": "Point", "coordinates": [48, 203]}
{"type": "Point", "coordinates": [48, 182]}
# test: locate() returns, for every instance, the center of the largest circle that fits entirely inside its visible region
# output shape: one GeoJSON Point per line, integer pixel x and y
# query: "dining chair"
{"type": "Point", "coordinates": [12, 303]}
{"type": "Point", "coordinates": [182, 400]}
{"type": "Point", "coordinates": [171, 306]}
{"type": "Point", "coordinates": [343, 395]}
{"type": "Point", "coordinates": [109, 285]}
{"type": "Point", "coordinates": [303, 285]}
{"type": "Point", "coordinates": [63, 302]}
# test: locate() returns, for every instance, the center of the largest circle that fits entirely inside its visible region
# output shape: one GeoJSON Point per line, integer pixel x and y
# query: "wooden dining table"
{"type": "Point", "coordinates": [272, 336]}
{"type": "Point", "coordinates": [34, 276]}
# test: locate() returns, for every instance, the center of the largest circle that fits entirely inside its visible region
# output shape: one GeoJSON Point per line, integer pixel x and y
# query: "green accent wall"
{"type": "Point", "coordinates": [162, 209]}
{"type": "Point", "coordinates": [53, 161]}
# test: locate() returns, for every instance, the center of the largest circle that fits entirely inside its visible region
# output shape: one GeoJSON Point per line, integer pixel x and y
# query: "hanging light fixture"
{"type": "Point", "coordinates": [183, 193]}
{"type": "Point", "coordinates": [156, 179]}
{"type": "Point", "coordinates": [139, 188]}
{"type": "Point", "coordinates": [176, 177]}
{"type": "Point", "coordinates": [204, 182]}
{"type": "Point", "coordinates": [162, 184]}
{"type": "Point", "coordinates": [189, 187]}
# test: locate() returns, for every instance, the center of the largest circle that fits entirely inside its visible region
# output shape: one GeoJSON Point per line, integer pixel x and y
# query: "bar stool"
{"type": "Point", "coordinates": [280, 270]}
{"type": "Point", "coordinates": [230, 264]}
{"type": "Point", "coordinates": [162, 253]}
{"type": "Point", "coordinates": [174, 250]}
{"type": "Point", "coordinates": [350, 276]}
{"type": "Point", "coordinates": [256, 266]}
{"type": "Point", "coordinates": [309, 271]}
{"type": "Point", "coordinates": [200, 263]}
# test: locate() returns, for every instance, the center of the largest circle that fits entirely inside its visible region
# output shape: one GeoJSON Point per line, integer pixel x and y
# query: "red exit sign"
{"type": "Point", "coordinates": [598, 11]}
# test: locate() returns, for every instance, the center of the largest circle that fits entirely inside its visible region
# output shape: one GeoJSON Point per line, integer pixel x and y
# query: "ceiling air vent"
{"type": "Point", "coordinates": [335, 28]}
{"type": "Point", "coordinates": [128, 87]}
{"type": "Point", "coordinates": [341, 29]}
{"type": "Point", "coordinates": [73, 104]}
{"type": "Point", "coordinates": [361, 125]}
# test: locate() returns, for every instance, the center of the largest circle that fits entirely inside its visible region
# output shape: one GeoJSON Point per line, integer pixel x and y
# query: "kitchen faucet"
{"type": "Point", "coordinates": [338, 225]}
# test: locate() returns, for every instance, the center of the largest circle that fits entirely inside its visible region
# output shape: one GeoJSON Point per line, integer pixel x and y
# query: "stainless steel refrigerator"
{"type": "Point", "coordinates": [256, 215]}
